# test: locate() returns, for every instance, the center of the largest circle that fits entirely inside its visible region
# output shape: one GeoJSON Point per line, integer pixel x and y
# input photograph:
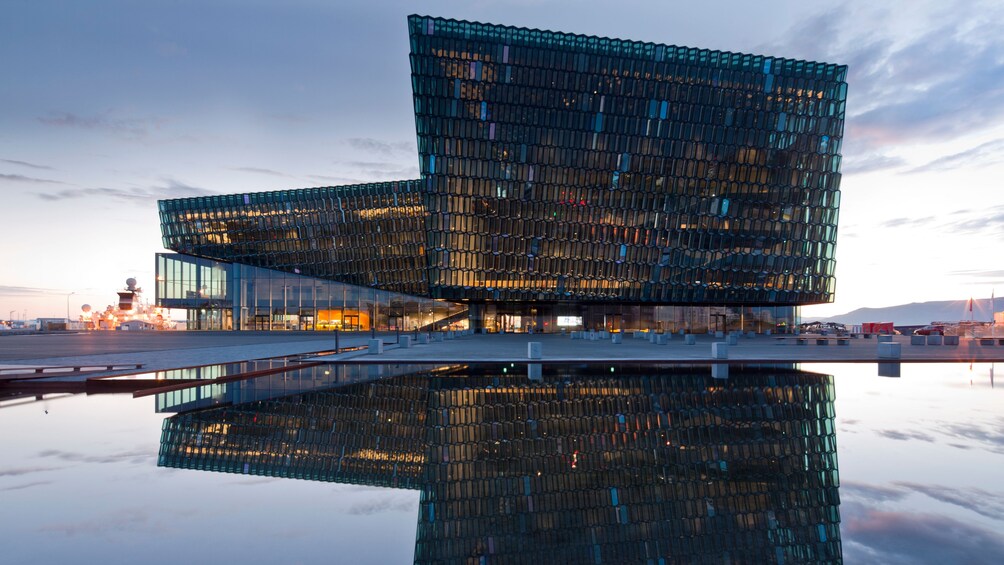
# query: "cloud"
{"type": "Point", "coordinates": [982, 502]}
{"type": "Point", "coordinates": [873, 536]}
{"type": "Point", "coordinates": [259, 171]}
{"type": "Point", "coordinates": [385, 504]}
{"type": "Point", "coordinates": [943, 80]}
{"type": "Point", "coordinates": [977, 274]}
{"type": "Point", "coordinates": [27, 164]}
{"type": "Point", "coordinates": [26, 291]}
{"type": "Point", "coordinates": [384, 170]}
{"type": "Point", "coordinates": [874, 493]}
{"type": "Point", "coordinates": [336, 180]}
{"type": "Point", "coordinates": [22, 178]}
{"type": "Point", "coordinates": [20, 471]}
{"type": "Point", "coordinates": [26, 486]}
{"type": "Point", "coordinates": [130, 128]}
{"type": "Point", "coordinates": [905, 436]}
{"type": "Point", "coordinates": [900, 222]}
{"type": "Point", "coordinates": [988, 436]}
{"type": "Point", "coordinates": [989, 153]}
{"type": "Point", "coordinates": [870, 164]}
{"type": "Point", "coordinates": [371, 145]}
{"type": "Point", "coordinates": [134, 456]}
{"type": "Point", "coordinates": [170, 189]}
{"type": "Point", "coordinates": [990, 220]}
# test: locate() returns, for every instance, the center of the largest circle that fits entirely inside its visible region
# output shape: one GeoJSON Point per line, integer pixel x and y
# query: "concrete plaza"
{"type": "Point", "coordinates": [169, 350]}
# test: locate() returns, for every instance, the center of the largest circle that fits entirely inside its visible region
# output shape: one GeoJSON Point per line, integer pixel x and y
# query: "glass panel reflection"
{"type": "Point", "coordinates": [582, 464]}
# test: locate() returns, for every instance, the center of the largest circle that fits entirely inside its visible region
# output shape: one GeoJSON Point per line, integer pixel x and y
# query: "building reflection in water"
{"type": "Point", "coordinates": [589, 464]}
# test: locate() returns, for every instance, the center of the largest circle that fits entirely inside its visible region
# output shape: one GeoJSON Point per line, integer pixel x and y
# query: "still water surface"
{"type": "Point", "coordinates": [592, 464]}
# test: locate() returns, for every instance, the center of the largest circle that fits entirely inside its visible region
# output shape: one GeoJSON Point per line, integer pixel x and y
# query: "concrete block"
{"type": "Point", "coordinates": [719, 350]}
{"type": "Point", "coordinates": [375, 346]}
{"type": "Point", "coordinates": [720, 371]}
{"type": "Point", "coordinates": [951, 340]}
{"type": "Point", "coordinates": [889, 369]}
{"type": "Point", "coordinates": [884, 338]}
{"type": "Point", "coordinates": [534, 350]}
{"type": "Point", "coordinates": [660, 339]}
{"type": "Point", "coordinates": [887, 350]}
{"type": "Point", "coordinates": [651, 337]}
{"type": "Point", "coordinates": [733, 339]}
{"type": "Point", "coordinates": [616, 338]}
{"type": "Point", "coordinates": [934, 339]}
{"type": "Point", "coordinates": [918, 340]}
{"type": "Point", "coordinates": [604, 335]}
{"type": "Point", "coordinates": [450, 335]}
{"type": "Point", "coordinates": [423, 339]}
{"type": "Point", "coordinates": [535, 371]}
{"type": "Point", "coordinates": [690, 339]}
{"type": "Point", "coordinates": [405, 341]}
{"type": "Point", "coordinates": [438, 336]}
{"type": "Point", "coordinates": [822, 341]}
{"type": "Point", "coordinates": [987, 341]}
{"type": "Point", "coordinates": [719, 334]}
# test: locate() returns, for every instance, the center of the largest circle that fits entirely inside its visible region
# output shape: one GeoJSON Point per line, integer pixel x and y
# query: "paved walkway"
{"type": "Point", "coordinates": [162, 350]}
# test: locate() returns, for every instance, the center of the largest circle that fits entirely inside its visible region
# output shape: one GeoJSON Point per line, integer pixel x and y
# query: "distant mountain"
{"type": "Point", "coordinates": [919, 313]}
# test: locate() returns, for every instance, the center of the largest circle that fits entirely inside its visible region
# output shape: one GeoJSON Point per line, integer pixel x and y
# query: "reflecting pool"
{"type": "Point", "coordinates": [517, 463]}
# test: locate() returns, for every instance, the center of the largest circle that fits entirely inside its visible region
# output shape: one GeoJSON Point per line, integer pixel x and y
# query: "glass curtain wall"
{"type": "Point", "coordinates": [223, 296]}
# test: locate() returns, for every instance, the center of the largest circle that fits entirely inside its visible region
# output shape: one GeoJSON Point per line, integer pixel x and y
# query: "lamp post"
{"type": "Point", "coordinates": [68, 306]}
{"type": "Point", "coordinates": [10, 317]}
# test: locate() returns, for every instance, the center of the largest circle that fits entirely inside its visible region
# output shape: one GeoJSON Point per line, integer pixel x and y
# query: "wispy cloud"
{"type": "Point", "coordinates": [170, 189]}
{"type": "Point", "coordinates": [26, 486]}
{"type": "Point", "coordinates": [384, 504]}
{"type": "Point", "coordinates": [131, 128]}
{"type": "Point", "coordinates": [21, 471]}
{"type": "Point", "coordinates": [987, 221]}
{"type": "Point", "coordinates": [874, 536]}
{"type": "Point", "coordinates": [26, 291]}
{"type": "Point", "coordinates": [134, 456]}
{"type": "Point", "coordinates": [985, 503]}
{"type": "Point", "coordinates": [31, 180]}
{"type": "Point", "coordinates": [905, 436]}
{"type": "Point", "coordinates": [989, 153]}
{"type": "Point", "coordinates": [260, 171]}
{"type": "Point", "coordinates": [26, 164]}
{"type": "Point", "coordinates": [901, 222]}
{"type": "Point", "coordinates": [870, 164]}
{"type": "Point", "coordinates": [943, 81]}
{"type": "Point", "coordinates": [379, 146]}
{"type": "Point", "coordinates": [978, 274]}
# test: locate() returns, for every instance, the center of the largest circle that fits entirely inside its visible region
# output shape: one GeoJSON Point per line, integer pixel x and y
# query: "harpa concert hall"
{"type": "Point", "coordinates": [567, 182]}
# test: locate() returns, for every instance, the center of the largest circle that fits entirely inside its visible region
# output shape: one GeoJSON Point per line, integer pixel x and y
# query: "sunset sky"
{"type": "Point", "coordinates": [107, 106]}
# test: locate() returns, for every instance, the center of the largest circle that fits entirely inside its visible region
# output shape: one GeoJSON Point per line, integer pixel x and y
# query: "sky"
{"type": "Point", "coordinates": [107, 106]}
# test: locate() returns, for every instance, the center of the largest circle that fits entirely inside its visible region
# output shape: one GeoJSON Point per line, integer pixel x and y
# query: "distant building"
{"type": "Point", "coordinates": [567, 181]}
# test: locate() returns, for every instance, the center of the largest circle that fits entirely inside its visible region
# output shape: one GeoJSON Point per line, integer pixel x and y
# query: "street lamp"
{"type": "Point", "coordinates": [10, 316]}
{"type": "Point", "coordinates": [68, 306]}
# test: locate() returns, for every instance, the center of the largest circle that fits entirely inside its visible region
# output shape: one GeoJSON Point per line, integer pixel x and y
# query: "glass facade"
{"type": "Point", "coordinates": [568, 167]}
{"type": "Point", "coordinates": [573, 176]}
{"type": "Point", "coordinates": [585, 465]}
{"type": "Point", "coordinates": [219, 295]}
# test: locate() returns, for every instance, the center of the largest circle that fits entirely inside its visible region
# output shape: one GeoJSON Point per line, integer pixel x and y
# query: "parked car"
{"type": "Point", "coordinates": [930, 330]}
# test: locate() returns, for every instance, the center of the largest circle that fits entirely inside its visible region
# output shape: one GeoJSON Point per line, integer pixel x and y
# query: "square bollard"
{"type": "Point", "coordinates": [690, 339]}
{"type": "Point", "coordinates": [888, 350]}
{"type": "Point", "coordinates": [884, 339]}
{"type": "Point", "coordinates": [405, 341]}
{"type": "Point", "coordinates": [733, 339]}
{"type": "Point", "coordinates": [616, 338]}
{"type": "Point", "coordinates": [438, 336]}
{"type": "Point", "coordinates": [423, 339]}
{"type": "Point", "coordinates": [375, 346]}
{"type": "Point", "coordinates": [719, 350]}
{"type": "Point", "coordinates": [918, 340]}
{"type": "Point", "coordinates": [660, 339]}
{"type": "Point", "coordinates": [534, 350]}
{"type": "Point", "coordinates": [951, 340]}
{"type": "Point", "coordinates": [934, 339]}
